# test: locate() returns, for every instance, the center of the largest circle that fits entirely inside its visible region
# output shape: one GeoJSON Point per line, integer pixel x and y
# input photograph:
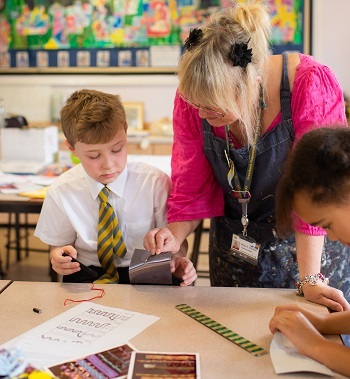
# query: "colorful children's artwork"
{"type": "Point", "coordinates": [61, 24]}
{"type": "Point", "coordinates": [124, 33]}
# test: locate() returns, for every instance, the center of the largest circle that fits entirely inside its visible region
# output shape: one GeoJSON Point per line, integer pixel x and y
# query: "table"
{"type": "Point", "coordinates": [17, 205]}
{"type": "Point", "coordinates": [4, 284]}
{"type": "Point", "coordinates": [246, 311]}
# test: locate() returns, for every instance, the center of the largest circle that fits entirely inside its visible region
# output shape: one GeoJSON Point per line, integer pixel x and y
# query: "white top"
{"type": "Point", "coordinates": [69, 215]}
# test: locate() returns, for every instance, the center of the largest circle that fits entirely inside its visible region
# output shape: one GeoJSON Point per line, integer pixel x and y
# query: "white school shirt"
{"type": "Point", "coordinates": [69, 215]}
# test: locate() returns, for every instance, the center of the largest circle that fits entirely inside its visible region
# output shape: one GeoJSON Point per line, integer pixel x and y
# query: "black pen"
{"type": "Point", "coordinates": [83, 267]}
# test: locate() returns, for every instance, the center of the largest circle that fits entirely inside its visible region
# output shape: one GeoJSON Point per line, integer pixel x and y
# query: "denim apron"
{"type": "Point", "coordinates": [277, 265]}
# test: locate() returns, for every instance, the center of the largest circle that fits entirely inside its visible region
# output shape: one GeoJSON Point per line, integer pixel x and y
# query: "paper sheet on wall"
{"type": "Point", "coordinates": [81, 330]}
{"type": "Point", "coordinates": [286, 358]}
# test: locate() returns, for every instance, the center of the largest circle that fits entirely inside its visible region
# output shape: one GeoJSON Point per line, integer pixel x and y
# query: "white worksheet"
{"type": "Point", "coordinates": [286, 358]}
{"type": "Point", "coordinates": [82, 330]}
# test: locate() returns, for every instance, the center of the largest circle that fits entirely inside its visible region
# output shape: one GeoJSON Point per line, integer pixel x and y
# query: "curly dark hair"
{"type": "Point", "coordinates": [319, 167]}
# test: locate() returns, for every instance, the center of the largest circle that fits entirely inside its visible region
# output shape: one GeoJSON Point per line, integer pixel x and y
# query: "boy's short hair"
{"type": "Point", "coordinates": [92, 117]}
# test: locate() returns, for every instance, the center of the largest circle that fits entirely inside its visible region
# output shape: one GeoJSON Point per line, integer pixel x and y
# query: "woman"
{"type": "Point", "coordinates": [238, 111]}
{"type": "Point", "coordinates": [316, 186]}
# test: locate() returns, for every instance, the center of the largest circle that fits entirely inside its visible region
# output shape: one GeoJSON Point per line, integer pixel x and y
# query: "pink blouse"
{"type": "Point", "coordinates": [317, 100]}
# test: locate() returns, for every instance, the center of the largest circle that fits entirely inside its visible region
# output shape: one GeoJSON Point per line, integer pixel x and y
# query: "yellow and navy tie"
{"type": "Point", "coordinates": [109, 240]}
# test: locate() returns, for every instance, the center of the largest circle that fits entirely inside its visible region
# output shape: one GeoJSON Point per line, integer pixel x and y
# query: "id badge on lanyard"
{"type": "Point", "coordinates": [243, 246]}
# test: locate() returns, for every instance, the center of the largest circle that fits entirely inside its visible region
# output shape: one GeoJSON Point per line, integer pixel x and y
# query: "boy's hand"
{"type": "Point", "coordinates": [160, 240]}
{"type": "Point", "coordinates": [61, 264]}
{"type": "Point", "coordinates": [182, 268]}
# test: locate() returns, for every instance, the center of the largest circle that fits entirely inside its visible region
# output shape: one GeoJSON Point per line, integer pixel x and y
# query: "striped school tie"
{"type": "Point", "coordinates": [109, 241]}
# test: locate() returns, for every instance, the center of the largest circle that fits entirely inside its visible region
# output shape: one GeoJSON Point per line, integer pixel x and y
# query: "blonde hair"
{"type": "Point", "coordinates": [206, 72]}
{"type": "Point", "coordinates": [92, 117]}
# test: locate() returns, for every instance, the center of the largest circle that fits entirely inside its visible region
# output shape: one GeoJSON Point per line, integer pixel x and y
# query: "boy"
{"type": "Point", "coordinates": [94, 125]}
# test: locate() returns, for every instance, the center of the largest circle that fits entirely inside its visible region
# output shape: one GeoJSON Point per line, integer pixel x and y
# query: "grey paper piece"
{"type": "Point", "coordinates": [146, 268]}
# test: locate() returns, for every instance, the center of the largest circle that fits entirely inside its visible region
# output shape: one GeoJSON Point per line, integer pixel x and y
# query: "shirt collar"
{"type": "Point", "coordinates": [117, 187]}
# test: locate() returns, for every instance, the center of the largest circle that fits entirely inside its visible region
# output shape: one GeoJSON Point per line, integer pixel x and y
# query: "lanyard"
{"type": "Point", "coordinates": [244, 196]}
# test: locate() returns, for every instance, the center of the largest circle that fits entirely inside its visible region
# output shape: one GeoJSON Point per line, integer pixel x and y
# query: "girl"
{"type": "Point", "coordinates": [316, 186]}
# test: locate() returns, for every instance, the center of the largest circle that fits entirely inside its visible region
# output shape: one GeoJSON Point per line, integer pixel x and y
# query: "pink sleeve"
{"type": "Point", "coordinates": [317, 101]}
{"type": "Point", "coordinates": [196, 194]}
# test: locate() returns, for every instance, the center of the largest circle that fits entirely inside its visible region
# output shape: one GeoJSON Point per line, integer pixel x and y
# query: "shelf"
{"type": "Point", "coordinates": [90, 70]}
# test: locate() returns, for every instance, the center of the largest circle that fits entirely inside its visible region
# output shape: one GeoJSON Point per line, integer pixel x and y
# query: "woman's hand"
{"type": "Point", "coordinates": [328, 296]}
{"type": "Point", "coordinates": [61, 264]}
{"type": "Point", "coordinates": [160, 240]}
{"type": "Point", "coordinates": [182, 268]}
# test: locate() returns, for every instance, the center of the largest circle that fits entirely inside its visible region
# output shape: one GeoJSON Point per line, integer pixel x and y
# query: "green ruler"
{"type": "Point", "coordinates": [222, 330]}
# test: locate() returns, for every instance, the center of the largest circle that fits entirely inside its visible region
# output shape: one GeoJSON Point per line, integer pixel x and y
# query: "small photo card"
{"type": "Point", "coordinates": [124, 58]}
{"type": "Point", "coordinates": [142, 58]}
{"type": "Point", "coordinates": [42, 59]}
{"type": "Point", "coordinates": [108, 364]}
{"type": "Point", "coordinates": [164, 365]}
{"type": "Point", "coordinates": [83, 58]}
{"type": "Point", "coordinates": [5, 59]}
{"type": "Point", "coordinates": [103, 58]}
{"type": "Point", "coordinates": [63, 59]}
{"type": "Point", "coordinates": [22, 59]}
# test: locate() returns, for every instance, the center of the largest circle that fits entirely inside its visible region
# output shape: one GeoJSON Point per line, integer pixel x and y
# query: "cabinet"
{"type": "Point", "coordinates": [150, 145]}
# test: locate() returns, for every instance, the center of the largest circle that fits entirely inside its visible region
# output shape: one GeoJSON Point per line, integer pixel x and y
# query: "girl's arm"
{"type": "Point", "coordinates": [296, 326]}
{"type": "Point", "coordinates": [333, 355]}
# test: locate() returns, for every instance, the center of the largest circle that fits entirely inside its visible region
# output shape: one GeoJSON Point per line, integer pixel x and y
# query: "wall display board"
{"type": "Point", "coordinates": [128, 35]}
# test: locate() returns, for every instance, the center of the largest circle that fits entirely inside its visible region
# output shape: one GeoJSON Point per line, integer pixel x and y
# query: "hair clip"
{"type": "Point", "coordinates": [240, 54]}
{"type": "Point", "coordinates": [193, 38]}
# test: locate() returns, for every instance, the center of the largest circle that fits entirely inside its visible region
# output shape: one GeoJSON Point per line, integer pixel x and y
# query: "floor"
{"type": "Point", "coordinates": [36, 266]}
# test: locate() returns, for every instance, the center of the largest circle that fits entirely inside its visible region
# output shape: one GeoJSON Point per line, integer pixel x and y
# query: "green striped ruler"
{"type": "Point", "coordinates": [222, 330]}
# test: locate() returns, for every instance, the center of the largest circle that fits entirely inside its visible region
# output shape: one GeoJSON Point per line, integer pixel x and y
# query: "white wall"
{"type": "Point", "coordinates": [331, 42]}
{"type": "Point", "coordinates": [30, 95]}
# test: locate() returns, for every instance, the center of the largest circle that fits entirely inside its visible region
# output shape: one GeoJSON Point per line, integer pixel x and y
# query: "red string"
{"type": "Point", "coordinates": [102, 293]}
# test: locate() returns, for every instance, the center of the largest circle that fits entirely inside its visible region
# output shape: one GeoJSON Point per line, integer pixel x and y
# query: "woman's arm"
{"type": "Point", "coordinates": [193, 179]}
{"type": "Point", "coordinates": [309, 251]}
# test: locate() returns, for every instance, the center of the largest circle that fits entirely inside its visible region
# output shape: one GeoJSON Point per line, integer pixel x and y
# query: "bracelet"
{"type": "Point", "coordinates": [312, 280]}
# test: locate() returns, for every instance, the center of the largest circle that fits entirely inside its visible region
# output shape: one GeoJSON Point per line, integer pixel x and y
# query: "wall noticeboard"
{"type": "Point", "coordinates": [124, 35]}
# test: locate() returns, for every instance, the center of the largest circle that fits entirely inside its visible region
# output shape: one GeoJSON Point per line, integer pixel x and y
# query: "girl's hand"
{"type": "Point", "coordinates": [325, 295]}
{"type": "Point", "coordinates": [298, 329]}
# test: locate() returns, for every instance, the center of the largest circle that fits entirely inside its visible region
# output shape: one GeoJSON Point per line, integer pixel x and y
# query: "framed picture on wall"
{"type": "Point", "coordinates": [134, 116]}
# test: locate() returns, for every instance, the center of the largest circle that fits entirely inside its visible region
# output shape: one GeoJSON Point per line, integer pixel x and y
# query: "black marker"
{"type": "Point", "coordinates": [37, 310]}
{"type": "Point", "coordinates": [93, 273]}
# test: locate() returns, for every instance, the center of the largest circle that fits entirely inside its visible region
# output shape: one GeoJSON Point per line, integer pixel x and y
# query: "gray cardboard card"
{"type": "Point", "coordinates": [146, 268]}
